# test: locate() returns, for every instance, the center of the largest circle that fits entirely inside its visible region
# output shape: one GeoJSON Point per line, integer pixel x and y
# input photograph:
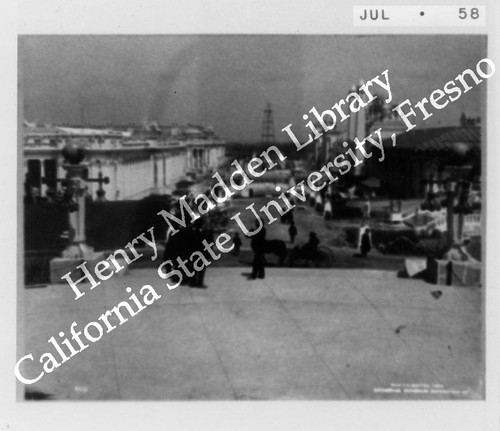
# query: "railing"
{"type": "Point", "coordinates": [438, 220]}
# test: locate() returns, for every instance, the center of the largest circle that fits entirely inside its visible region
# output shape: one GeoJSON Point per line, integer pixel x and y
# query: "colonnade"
{"type": "Point", "coordinates": [132, 174]}
{"type": "Point", "coordinates": [204, 157]}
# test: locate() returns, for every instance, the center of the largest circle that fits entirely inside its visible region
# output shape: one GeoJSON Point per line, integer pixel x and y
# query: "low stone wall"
{"type": "Point", "coordinates": [109, 225]}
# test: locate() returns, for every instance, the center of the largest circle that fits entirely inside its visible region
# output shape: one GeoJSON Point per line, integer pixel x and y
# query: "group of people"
{"type": "Point", "coordinates": [311, 248]}
{"type": "Point", "coordinates": [258, 245]}
{"type": "Point", "coordinates": [190, 239]}
{"type": "Point", "coordinates": [184, 243]}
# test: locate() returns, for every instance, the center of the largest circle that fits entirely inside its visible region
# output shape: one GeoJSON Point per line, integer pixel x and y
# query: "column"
{"type": "Point", "coordinates": [360, 134]}
{"type": "Point", "coordinates": [138, 177]}
{"type": "Point", "coordinates": [43, 187]}
{"type": "Point", "coordinates": [140, 171]}
{"type": "Point", "coordinates": [61, 172]}
{"type": "Point", "coordinates": [131, 177]}
{"type": "Point", "coordinates": [124, 175]}
{"type": "Point", "coordinates": [116, 192]}
{"type": "Point", "coordinates": [164, 162]}
{"type": "Point", "coordinates": [113, 183]}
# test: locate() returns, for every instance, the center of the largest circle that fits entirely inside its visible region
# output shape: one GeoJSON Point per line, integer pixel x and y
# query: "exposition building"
{"type": "Point", "coordinates": [138, 161]}
{"type": "Point", "coordinates": [423, 160]}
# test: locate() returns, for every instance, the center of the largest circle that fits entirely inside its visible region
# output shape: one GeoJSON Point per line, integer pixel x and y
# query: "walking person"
{"type": "Point", "coordinates": [292, 231]}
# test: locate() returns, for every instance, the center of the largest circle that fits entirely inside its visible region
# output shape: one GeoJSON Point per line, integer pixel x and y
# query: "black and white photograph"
{"type": "Point", "coordinates": [242, 217]}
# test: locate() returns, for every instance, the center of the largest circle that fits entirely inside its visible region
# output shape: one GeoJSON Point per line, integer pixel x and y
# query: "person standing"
{"type": "Point", "coordinates": [328, 209]}
{"type": "Point", "coordinates": [319, 203]}
{"type": "Point", "coordinates": [310, 249]}
{"type": "Point", "coordinates": [366, 243]}
{"type": "Point", "coordinates": [188, 243]}
{"type": "Point", "coordinates": [237, 243]}
{"type": "Point", "coordinates": [177, 246]}
{"type": "Point", "coordinates": [366, 208]}
{"type": "Point", "coordinates": [171, 245]}
{"type": "Point", "coordinates": [292, 231]}
{"type": "Point", "coordinates": [258, 243]}
{"type": "Point", "coordinates": [200, 232]}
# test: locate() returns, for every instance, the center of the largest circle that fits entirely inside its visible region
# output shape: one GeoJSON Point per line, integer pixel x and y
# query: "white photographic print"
{"type": "Point", "coordinates": [221, 217]}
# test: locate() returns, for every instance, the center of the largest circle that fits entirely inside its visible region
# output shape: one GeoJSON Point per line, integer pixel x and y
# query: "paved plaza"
{"type": "Point", "coordinates": [299, 334]}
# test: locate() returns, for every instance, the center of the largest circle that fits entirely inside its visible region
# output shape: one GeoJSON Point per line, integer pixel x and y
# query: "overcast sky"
{"type": "Point", "coordinates": [225, 81]}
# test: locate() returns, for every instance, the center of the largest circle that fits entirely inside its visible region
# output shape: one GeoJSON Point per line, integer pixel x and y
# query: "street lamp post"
{"type": "Point", "coordinates": [77, 250]}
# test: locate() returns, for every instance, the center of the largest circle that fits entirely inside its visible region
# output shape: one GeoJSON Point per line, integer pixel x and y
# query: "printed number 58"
{"type": "Point", "coordinates": [474, 13]}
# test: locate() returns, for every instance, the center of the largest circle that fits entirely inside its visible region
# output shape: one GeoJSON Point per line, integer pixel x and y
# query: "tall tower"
{"type": "Point", "coordinates": [356, 128]}
{"type": "Point", "coordinates": [267, 136]}
{"type": "Point", "coordinates": [361, 118]}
